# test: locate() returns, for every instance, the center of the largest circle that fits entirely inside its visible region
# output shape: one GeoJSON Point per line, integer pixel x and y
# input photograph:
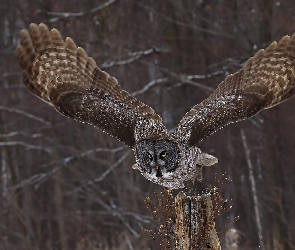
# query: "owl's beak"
{"type": "Point", "coordinates": [159, 173]}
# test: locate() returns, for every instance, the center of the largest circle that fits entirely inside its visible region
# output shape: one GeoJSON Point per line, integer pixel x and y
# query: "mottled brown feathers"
{"type": "Point", "coordinates": [63, 75]}
{"type": "Point", "coordinates": [265, 80]}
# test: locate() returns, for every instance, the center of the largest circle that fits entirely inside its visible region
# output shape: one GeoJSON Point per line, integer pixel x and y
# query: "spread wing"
{"type": "Point", "coordinates": [266, 79]}
{"type": "Point", "coordinates": [64, 76]}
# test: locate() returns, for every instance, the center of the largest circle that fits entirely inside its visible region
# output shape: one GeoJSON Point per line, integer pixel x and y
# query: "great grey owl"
{"type": "Point", "coordinates": [64, 76]}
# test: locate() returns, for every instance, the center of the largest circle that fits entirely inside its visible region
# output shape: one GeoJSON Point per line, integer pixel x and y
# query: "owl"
{"type": "Point", "coordinates": [64, 76]}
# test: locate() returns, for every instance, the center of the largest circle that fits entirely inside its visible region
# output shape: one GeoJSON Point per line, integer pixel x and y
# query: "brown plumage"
{"type": "Point", "coordinates": [265, 80]}
{"type": "Point", "coordinates": [64, 76]}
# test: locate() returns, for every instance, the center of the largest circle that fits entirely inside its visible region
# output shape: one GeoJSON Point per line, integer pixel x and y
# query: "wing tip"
{"type": "Point", "coordinates": [44, 29]}
{"type": "Point", "coordinates": [272, 46]}
{"type": "Point", "coordinates": [283, 42]}
{"type": "Point", "coordinates": [43, 26]}
{"type": "Point", "coordinates": [82, 52]}
{"type": "Point", "coordinates": [24, 37]}
{"type": "Point", "coordinates": [56, 36]}
{"type": "Point", "coordinates": [20, 53]}
{"type": "Point", "coordinates": [70, 43]}
{"type": "Point", "coordinates": [253, 59]}
{"type": "Point", "coordinates": [23, 32]}
{"type": "Point", "coordinates": [33, 26]}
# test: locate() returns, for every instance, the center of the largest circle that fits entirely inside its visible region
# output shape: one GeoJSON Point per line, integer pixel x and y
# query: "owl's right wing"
{"type": "Point", "coordinates": [64, 76]}
{"type": "Point", "coordinates": [265, 80]}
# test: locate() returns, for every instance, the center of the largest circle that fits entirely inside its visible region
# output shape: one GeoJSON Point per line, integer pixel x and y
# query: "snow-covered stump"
{"type": "Point", "coordinates": [194, 223]}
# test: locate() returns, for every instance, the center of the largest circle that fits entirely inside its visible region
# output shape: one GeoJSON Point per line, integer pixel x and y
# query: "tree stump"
{"type": "Point", "coordinates": [194, 223]}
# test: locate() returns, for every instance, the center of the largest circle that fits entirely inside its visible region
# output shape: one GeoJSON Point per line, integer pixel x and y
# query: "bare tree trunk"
{"type": "Point", "coordinates": [254, 191]}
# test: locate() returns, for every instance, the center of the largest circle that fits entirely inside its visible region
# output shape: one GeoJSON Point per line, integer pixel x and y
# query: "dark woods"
{"type": "Point", "coordinates": [65, 185]}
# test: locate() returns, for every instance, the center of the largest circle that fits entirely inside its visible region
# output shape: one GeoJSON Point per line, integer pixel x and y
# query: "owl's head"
{"type": "Point", "coordinates": [157, 157]}
{"type": "Point", "coordinates": [164, 162]}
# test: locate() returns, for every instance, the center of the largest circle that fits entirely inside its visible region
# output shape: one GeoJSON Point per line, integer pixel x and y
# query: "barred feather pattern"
{"type": "Point", "coordinates": [265, 80]}
{"type": "Point", "coordinates": [63, 75]}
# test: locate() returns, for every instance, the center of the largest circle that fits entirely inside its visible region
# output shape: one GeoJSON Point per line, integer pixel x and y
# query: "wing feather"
{"type": "Point", "coordinates": [265, 80]}
{"type": "Point", "coordinates": [63, 75]}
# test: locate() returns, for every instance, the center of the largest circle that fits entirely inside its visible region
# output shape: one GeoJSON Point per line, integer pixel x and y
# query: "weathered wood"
{"type": "Point", "coordinates": [194, 224]}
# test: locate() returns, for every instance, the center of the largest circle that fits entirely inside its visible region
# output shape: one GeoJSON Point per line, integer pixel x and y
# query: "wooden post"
{"type": "Point", "coordinates": [195, 224]}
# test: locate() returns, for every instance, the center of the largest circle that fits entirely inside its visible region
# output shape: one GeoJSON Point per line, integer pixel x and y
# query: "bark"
{"type": "Point", "coordinates": [195, 223]}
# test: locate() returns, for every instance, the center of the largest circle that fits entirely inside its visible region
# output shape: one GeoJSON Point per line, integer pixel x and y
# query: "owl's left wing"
{"type": "Point", "coordinates": [265, 80]}
{"type": "Point", "coordinates": [64, 76]}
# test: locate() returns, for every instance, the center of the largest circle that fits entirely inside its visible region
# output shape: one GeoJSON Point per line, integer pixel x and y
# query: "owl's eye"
{"type": "Point", "coordinates": [149, 156]}
{"type": "Point", "coordinates": [163, 154]}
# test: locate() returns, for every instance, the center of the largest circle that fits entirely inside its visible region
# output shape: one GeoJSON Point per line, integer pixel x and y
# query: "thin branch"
{"type": "Point", "coordinates": [114, 210]}
{"type": "Point", "coordinates": [146, 219]}
{"type": "Point", "coordinates": [21, 112]}
{"type": "Point", "coordinates": [40, 178]}
{"type": "Point", "coordinates": [26, 145]}
{"type": "Point", "coordinates": [67, 160]}
{"type": "Point", "coordinates": [117, 212]}
{"type": "Point", "coordinates": [198, 77]}
{"type": "Point", "coordinates": [226, 63]}
{"type": "Point", "coordinates": [4, 75]}
{"type": "Point", "coordinates": [20, 133]}
{"type": "Point", "coordinates": [63, 15]}
{"type": "Point", "coordinates": [134, 57]}
{"type": "Point", "coordinates": [102, 6]}
{"type": "Point", "coordinates": [12, 232]}
{"type": "Point", "coordinates": [101, 177]}
{"type": "Point", "coordinates": [139, 217]}
{"type": "Point", "coordinates": [128, 241]}
{"type": "Point", "coordinates": [185, 79]}
{"type": "Point", "coordinates": [150, 85]}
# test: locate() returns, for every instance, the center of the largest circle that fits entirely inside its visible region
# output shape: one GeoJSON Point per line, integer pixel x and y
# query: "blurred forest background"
{"type": "Point", "coordinates": [65, 185]}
